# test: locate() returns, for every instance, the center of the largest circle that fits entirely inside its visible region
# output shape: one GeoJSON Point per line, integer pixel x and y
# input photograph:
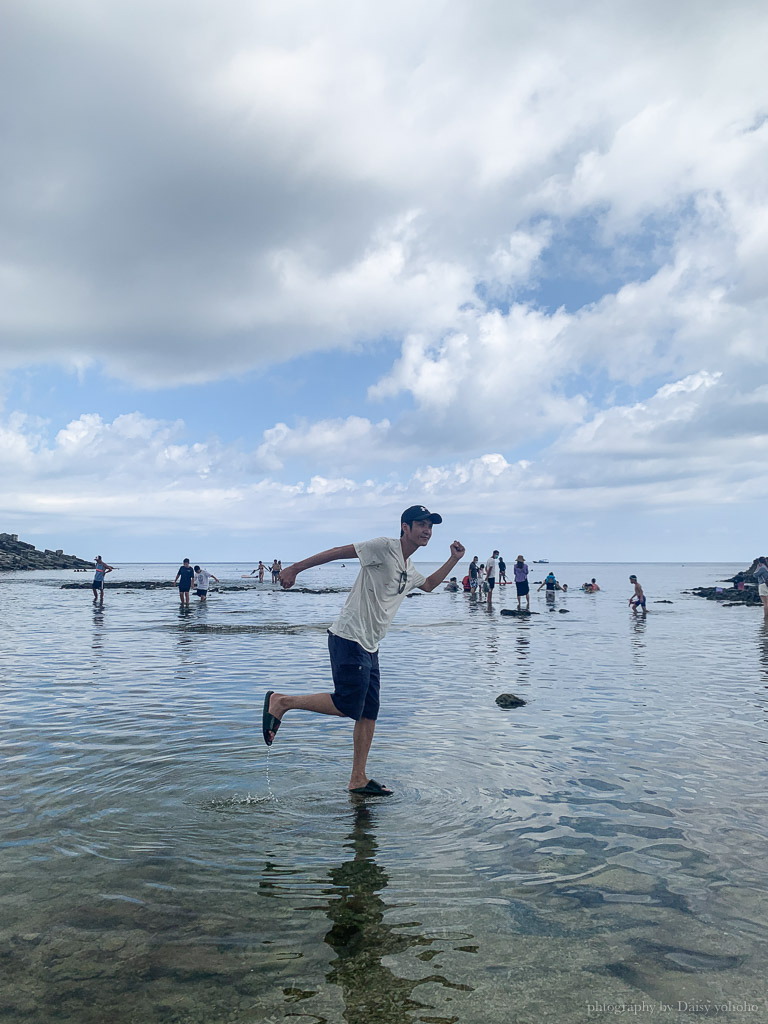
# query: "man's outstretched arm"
{"type": "Point", "coordinates": [437, 577]}
{"type": "Point", "coordinates": [289, 574]}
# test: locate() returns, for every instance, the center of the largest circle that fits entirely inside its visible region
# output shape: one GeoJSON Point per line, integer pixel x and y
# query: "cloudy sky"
{"type": "Point", "coordinates": [272, 271]}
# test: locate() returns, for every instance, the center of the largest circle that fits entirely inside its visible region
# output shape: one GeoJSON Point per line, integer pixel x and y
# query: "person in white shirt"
{"type": "Point", "coordinates": [203, 582]}
{"type": "Point", "coordinates": [490, 573]}
{"type": "Point", "coordinates": [386, 577]}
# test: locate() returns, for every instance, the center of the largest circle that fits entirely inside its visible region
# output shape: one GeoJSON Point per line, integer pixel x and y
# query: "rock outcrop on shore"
{"type": "Point", "coordinates": [15, 554]}
{"type": "Point", "coordinates": [745, 576]}
{"type": "Point", "coordinates": [743, 591]}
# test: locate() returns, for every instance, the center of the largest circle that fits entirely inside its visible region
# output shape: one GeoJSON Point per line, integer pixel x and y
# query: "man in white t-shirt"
{"type": "Point", "coordinates": [386, 577]}
{"type": "Point", "coordinates": [490, 572]}
{"type": "Point", "coordinates": [203, 581]}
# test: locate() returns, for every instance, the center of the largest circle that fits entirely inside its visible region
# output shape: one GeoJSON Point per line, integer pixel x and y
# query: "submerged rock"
{"type": "Point", "coordinates": [123, 585]}
{"type": "Point", "coordinates": [509, 700]}
{"type": "Point", "coordinates": [517, 611]}
{"type": "Point", "coordinates": [110, 584]}
{"type": "Point", "coordinates": [564, 611]}
{"type": "Point", "coordinates": [748, 595]}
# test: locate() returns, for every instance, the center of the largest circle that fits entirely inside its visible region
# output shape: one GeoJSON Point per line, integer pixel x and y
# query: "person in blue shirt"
{"type": "Point", "coordinates": [184, 578]}
{"type": "Point", "coordinates": [102, 569]}
{"type": "Point", "coordinates": [550, 582]}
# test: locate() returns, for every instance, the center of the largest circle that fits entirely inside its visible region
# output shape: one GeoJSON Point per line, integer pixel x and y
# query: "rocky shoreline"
{"type": "Point", "coordinates": [743, 589]}
{"type": "Point", "coordinates": [15, 554]}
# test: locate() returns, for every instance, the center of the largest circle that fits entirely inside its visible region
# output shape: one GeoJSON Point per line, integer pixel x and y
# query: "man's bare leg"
{"type": "Point", "coordinates": [362, 739]}
{"type": "Point", "coordinates": [320, 703]}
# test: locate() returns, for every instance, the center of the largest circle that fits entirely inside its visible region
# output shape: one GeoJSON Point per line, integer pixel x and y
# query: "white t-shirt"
{"type": "Point", "coordinates": [370, 608]}
{"type": "Point", "coordinates": [202, 580]}
{"type": "Point", "coordinates": [490, 568]}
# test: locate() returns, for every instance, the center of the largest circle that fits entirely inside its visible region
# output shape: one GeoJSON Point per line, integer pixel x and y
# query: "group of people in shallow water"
{"type": "Point", "coordinates": [189, 576]}
{"type": "Point", "coordinates": [186, 577]}
{"type": "Point", "coordinates": [275, 569]}
{"type": "Point", "coordinates": [482, 578]}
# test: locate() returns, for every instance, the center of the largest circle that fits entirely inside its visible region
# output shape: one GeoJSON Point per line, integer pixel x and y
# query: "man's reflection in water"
{"type": "Point", "coordinates": [97, 643]}
{"type": "Point", "coordinates": [637, 636]}
{"type": "Point", "coordinates": [762, 635]}
{"type": "Point", "coordinates": [522, 651]}
{"type": "Point", "coordinates": [360, 938]}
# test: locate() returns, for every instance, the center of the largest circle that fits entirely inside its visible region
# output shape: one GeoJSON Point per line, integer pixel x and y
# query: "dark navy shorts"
{"type": "Point", "coordinates": [184, 590]}
{"type": "Point", "coordinates": [355, 678]}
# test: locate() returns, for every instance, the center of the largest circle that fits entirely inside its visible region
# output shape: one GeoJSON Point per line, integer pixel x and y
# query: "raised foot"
{"type": "Point", "coordinates": [269, 723]}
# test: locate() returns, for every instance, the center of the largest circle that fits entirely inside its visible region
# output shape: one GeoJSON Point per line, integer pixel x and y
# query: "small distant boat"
{"type": "Point", "coordinates": [541, 561]}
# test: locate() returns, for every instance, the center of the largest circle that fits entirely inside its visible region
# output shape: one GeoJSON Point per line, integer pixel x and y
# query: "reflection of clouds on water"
{"type": "Point", "coordinates": [361, 938]}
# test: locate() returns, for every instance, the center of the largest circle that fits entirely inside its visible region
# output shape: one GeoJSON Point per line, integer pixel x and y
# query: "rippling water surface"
{"type": "Point", "coordinates": [602, 846]}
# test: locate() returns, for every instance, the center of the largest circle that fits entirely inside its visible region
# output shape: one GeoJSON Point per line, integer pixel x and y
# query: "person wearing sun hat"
{"type": "Point", "coordinates": [386, 577]}
{"type": "Point", "coordinates": [521, 582]}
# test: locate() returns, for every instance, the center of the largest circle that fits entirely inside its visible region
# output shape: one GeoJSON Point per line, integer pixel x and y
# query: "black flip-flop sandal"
{"type": "Point", "coordinates": [372, 788]}
{"type": "Point", "coordinates": [269, 724]}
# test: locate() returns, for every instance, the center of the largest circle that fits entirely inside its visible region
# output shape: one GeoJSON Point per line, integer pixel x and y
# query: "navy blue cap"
{"type": "Point", "coordinates": [417, 513]}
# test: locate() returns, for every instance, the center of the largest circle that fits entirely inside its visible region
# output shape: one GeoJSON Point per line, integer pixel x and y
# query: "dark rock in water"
{"type": "Point", "coordinates": [509, 700]}
{"type": "Point", "coordinates": [515, 611]}
{"type": "Point", "coordinates": [663, 602]}
{"type": "Point", "coordinates": [325, 590]}
{"type": "Point", "coordinates": [123, 585]}
{"type": "Point", "coordinates": [110, 584]}
{"type": "Point", "coordinates": [15, 554]}
{"type": "Point", "coordinates": [269, 589]}
{"type": "Point", "coordinates": [564, 611]}
{"type": "Point", "coordinates": [748, 595]}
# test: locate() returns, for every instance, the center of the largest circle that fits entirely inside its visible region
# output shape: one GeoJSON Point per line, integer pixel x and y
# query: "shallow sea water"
{"type": "Point", "coordinates": [599, 852]}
